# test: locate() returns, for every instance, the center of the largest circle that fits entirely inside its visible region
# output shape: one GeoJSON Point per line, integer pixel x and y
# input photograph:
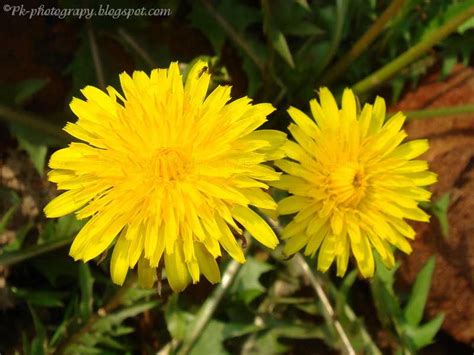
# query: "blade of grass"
{"type": "Point", "coordinates": [99, 71]}
{"type": "Point", "coordinates": [8, 259]}
{"type": "Point", "coordinates": [142, 53]}
{"type": "Point", "coordinates": [441, 111]}
{"type": "Point", "coordinates": [233, 34]}
{"type": "Point", "coordinates": [415, 52]}
{"type": "Point", "coordinates": [31, 121]}
{"type": "Point", "coordinates": [363, 43]}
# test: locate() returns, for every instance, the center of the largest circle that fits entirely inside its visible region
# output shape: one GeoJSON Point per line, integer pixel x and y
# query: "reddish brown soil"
{"type": "Point", "coordinates": [451, 156]}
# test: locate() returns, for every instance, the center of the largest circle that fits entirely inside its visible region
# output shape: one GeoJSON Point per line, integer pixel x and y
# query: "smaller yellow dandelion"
{"type": "Point", "coordinates": [352, 183]}
{"type": "Point", "coordinates": [164, 173]}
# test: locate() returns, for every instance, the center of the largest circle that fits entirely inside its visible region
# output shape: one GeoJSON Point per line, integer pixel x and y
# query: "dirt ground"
{"type": "Point", "coordinates": [451, 156]}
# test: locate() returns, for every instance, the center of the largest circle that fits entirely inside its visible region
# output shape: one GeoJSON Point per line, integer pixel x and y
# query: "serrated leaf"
{"type": "Point", "coordinates": [177, 320]}
{"type": "Point", "coordinates": [414, 309]}
{"type": "Point", "coordinates": [40, 298]}
{"type": "Point", "coordinates": [424, 335]}
{"type": "Point", "coordinates": [246, 286]}
{"type": "Point", "coordinates": [211, 340]}
{"type": "Point", "coordinates": [268, 341]}
{"type": "Point", "coordinates": [106, 324]}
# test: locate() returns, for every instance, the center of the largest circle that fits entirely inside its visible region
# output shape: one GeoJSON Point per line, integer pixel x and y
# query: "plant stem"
{"type": "Point", "coordinates": [111, 305]}
{"type": "Point", "coordinates": [17, 256]}
{"type": "Point", "coordinates": [441, 111]}
{"type": "Point", "coordinates": [363, 43]}
{"type": "Point", "coordinates": [29, 120]}
{"type": "Point", "coordinates": [329, 313]}
{"type": "Point", "coordinates": [95, 55]}
{"type": "Point", "coordinates": [233, 34]}
{"type": "Point", "coordinates": [136, 47]}
{"type": "Point", "coordinates": [316, 283]}
{"type": "Point", "coordinates": [413, 53]}
{"type": "Point", "coordinates": [209, 307]}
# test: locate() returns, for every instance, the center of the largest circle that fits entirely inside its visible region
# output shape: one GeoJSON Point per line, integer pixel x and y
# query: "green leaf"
{"type": "Point", "coordinates": [211, 340]}
{"type": "Point", "coordinates": [27, 88]}
{"type": "Point", "coordinates": [38, 344]}
{"type": "Point", "coordinates": [304, 29]}
{"type": "Point", "coordinates": [177, 320]}
{"type": "Point", "coordinates": [40, 298]}
{"type": "Point", "coordinates": [36, 152]}
{"type": "Point", "coordinates": [118, 317]}
{"type": "Point", "coordinates": [86, 284]}
{"type": "Point", "coordinates": [216, 332]}
{"type": "Point", "coordinates": [281, 46]}
{"type": "Point", "coordinates": [449, 61]}
{"type": "Point", "coordinates": [303, 4]}
{"type": "Point", "coordinates": [7, 217]}
{"type": "Point", "coordinates": [385, 300]}
{"type": "Point", "coordinates": [423, 335]}
{"type": "Point", "coordinates": [413, 311]}
{"type": "Point", "coordinates": [246, 286]}
{"type": "Point", "coordinates": [20, 236]}
{"type": "Point", "coordinates": [267, 341]}
{"type": "Point", "coordinates": [61, 330]}
{"type": "Point", "coordinates": [237, 15]}
{"type": "Point", "coordinates": [81, 68]}
{"type": "Point", "coordinates": [440, 210]}
{"type": "Point", "coordinates": [30, 252]}
{"type": "Point", "coordinates": [341, 297]}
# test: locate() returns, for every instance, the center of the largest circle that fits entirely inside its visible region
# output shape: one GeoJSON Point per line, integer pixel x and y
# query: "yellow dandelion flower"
{"type": "Point", "coordinates": [165, 172]}
{"type": "Point", "coordinates": [352, 183]}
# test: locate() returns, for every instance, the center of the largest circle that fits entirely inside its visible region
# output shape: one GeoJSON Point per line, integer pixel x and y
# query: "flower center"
{"type": "Point", "coordinates": [169, 164]}
{"type": "Point", "coordinates": [347, 184]}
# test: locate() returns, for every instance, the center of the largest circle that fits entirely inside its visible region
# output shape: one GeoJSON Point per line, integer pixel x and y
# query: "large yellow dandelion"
{"type": "Point", "coordinates": [352, 183]}
{"type": "Point", "coordinates": [166, 172]}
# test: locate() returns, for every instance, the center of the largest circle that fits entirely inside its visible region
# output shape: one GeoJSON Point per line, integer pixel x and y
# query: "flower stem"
{"type": "Point", "coordinates": [387, 71]}
{"type": "Point", "coordinates": [363, 43]}
{"type": "Point", "coordinates": [128, 38]}
{"type": "Point", "coordinates": [441, 111]}
{"type": "Point", "coordinates": [29, 120]}
{"type": "Point", "coordinates": [329, 314]}
{"type": "Point", "coordinates": [18, 256]}
{"type": "Point", "coordinates": [209, 307]}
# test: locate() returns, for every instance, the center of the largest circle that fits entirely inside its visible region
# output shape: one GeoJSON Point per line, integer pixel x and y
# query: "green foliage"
{"type": "Point", "coordinates": [440, 209]}
{"type": "Point", "coordinates": [247, 286]}
{"type": "Point", "coordinates": [276, 51]}
{"type": "Point", "coordinates": [405, 322]}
